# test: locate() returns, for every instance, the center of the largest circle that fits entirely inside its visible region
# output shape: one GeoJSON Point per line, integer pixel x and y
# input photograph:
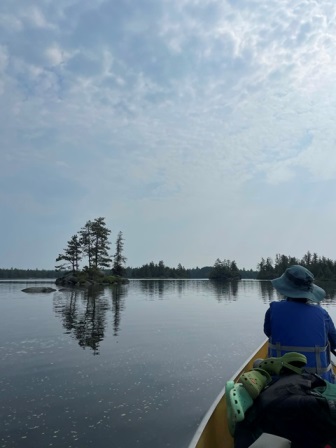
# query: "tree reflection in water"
{"type": "Point", "coordinates": [162, 289]}
{"type": "Point", "coordinates": [90, 327]}
{"type": "Point", "coordinates": [83, 314]}
{"type": "Point", "coordinates": [224, 290]}
{"type": "Point", "coordinates": [118, 304]}
{"type": "Point", "coordinates": [153, 288]}
{"type": "Point", "coordinates": [267, 291]}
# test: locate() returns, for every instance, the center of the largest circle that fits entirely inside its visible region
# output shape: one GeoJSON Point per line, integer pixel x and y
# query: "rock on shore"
{"type": "Point", "coordinates": [35, 289]}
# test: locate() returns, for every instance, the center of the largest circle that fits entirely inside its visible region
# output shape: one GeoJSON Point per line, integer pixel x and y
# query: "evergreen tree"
{"type": "Point", "coordinates": [266, 269]}
{"type": "Point", "coordinates": [94, 239]}
{"type": "Point", "coordinates": [307, 259]}
{"type": "Point", "coordinates": [282, 262]}
{"type": "Point", "coordinates": [234, 269]}
{"type": "Point", "coordinates": [181, 271]}
{"type": "Point", "coordinates": [118, 259]}
{"type": "Point", "coordinates": [323, 268]}
{"type": "Point", "coordinates": [72, 255]}
{"type": "Point", "coordinates": [86, 239]}
{"type": "Point", "coordinates": [161, 270]}
{"type": "Point", "coordinates": [224, 270]}
{"type": "Point", "coordinates": [101, 245]}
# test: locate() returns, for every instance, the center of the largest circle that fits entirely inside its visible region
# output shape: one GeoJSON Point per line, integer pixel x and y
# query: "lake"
{"type": "Point", "coordinates": [120, 367]}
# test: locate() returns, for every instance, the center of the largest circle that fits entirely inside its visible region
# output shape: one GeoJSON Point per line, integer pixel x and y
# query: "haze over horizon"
{"type": "Point", "coordinates": [200, 129]}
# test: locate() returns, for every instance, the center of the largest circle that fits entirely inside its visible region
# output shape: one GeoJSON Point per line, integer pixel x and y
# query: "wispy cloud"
{"type": "Point", "coordinates": [165, 118]}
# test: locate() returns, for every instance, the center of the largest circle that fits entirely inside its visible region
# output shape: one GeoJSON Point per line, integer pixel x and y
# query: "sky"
{"type": "Point", "coordinates": [201, 129]}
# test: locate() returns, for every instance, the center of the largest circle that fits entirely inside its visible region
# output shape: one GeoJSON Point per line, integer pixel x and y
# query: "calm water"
{"type": "Point", "coordinates": [136, 366]}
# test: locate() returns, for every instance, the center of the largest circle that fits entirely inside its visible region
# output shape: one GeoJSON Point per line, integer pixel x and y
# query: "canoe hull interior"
{"type": "Point", "coordinates": [213, 431]}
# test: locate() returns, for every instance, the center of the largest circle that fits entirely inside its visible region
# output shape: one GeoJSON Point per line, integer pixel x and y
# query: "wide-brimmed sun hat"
{"type": "Point", "coordinates": [298, 282]}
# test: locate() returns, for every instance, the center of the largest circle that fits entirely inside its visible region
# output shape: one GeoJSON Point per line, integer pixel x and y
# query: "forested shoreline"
{"type": "Point", "coordinates": [149, 270]}
{"type": "Point", "coordinates": [14, 273]}
{"type": "Point", "coordinates": [324, 269]}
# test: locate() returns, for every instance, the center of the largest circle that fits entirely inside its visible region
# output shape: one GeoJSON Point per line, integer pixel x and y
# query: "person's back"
{"type": "Point", "coordinates": [297, 324]}
{"type": "Point", "coordinates": [299, 327]}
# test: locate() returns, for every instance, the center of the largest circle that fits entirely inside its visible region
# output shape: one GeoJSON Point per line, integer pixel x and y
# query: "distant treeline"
{"type": "Point", "coordinates": [150, 270]}
{"type": "Point", "coordinates": [324, 269]}
{"type": "Point", "coordinates": [14, 273]}
{"type": "Point", "coordinates": [159, 270]}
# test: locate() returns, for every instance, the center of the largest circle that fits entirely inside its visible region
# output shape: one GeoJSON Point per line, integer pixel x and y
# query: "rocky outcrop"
{"type": "Point", "coordinates": [71, 280]}
{"type": "Point", "coordinates": [37, 289]}
{"type": "Point", "coordinates": [87, 279]}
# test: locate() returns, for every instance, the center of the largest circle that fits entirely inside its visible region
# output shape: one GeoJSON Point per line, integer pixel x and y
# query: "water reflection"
{"type": "Point", "coordinates": [154, 288]}
{"type": "Point", "coordinates": [224, 291]}
{"type": "Point", "coordinates": [330, 288]}
{"type": "Point", "coordinates": [181, 346]}
{"type": "Point", "coordinates": [83, 314]}
{"type": "Point", "coordinates": [267, 291]}
{"type": "Point", "coordinates": [118, 294]}
{"type": "Point", "coordinates": [269, 294]}
{"type": "Point", "coordinates": [232, 291]}
{"type": "Point", "coordinates": [164, 288]}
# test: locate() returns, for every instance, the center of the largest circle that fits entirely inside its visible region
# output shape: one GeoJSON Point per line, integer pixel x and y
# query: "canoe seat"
{"type": "Point", "coordinates": [270, 441]}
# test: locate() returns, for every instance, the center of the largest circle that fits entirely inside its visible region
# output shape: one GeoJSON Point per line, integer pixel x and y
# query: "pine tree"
{"type": "Point", "coordinates": [86, 240]}
{"type": "Point", "coordinates": [224, 270]}
{"type": "Point", "coordinates": [118, 259]}
{"type": "Point", "coordinates": [101, 244]}
{"type": "Point", "coordinates": [72, 255]}
{"type": "Point", "coordinates": [94, 240]}
{"type": "Point", "coordinates": [181, 271]}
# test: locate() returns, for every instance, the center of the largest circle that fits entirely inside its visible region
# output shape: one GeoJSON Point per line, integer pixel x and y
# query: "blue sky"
{"type": "Point", "coordinates": [201, 129]}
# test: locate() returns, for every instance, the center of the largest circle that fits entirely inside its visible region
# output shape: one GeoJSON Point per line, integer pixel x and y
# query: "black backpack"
{"type": "Point", "coordinates": [293, 407]}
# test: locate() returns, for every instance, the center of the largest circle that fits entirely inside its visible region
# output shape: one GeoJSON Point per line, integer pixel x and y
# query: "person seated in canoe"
{"type": "Point", "coordinates": [299, 323]}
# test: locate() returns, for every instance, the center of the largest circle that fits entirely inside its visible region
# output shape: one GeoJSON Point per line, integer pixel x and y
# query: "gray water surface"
{"type": "Point", "coordinates": [134, 366]}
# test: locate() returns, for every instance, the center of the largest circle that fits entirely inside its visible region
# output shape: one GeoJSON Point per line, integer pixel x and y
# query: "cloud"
{"type": "Point", "coordinates": [35, 17]}
{"type": "Point", "coordinates": [55, 55]}
{"type": "Point", "coordinates": [167, 111]}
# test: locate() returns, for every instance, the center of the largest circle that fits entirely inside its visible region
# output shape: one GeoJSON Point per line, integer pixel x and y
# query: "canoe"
{"type": "Point", "coordinates": [213, 431]}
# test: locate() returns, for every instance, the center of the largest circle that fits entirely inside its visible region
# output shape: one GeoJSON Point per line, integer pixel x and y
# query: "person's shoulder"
{"type": "Point", "coordinates": [319, 309]}
{"type": "Point", "coordinates": [322, 310]}
{"type": "Point", "coordinates": [278, 303]}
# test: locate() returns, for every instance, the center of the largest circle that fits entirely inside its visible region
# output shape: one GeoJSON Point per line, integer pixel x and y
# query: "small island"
{"type": "Point", "coordinates": [89, 277]}
{"type": "Point", "coordinates": [91, 244]}
{"type": "Point", "coordinates": [225, 270]}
